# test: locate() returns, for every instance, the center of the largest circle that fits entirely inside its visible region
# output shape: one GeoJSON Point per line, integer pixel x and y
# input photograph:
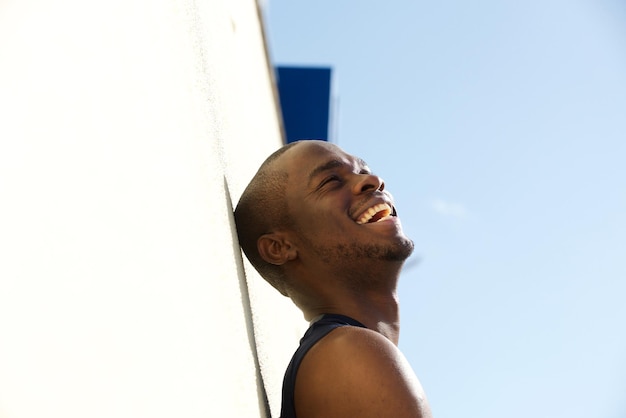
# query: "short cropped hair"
{"type": "Point", "coordinates": [262, 208]}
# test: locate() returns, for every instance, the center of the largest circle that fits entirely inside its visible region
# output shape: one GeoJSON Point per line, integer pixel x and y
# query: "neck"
{"type": "Point", "coordinates": [363, 291]}
{"type": "Point", "coordinates": [377, 309]}
{"type": "Point", "coordinates": [381, 313]}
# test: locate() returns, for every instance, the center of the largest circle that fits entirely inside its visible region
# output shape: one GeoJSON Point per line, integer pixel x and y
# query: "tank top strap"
{"type": "Point", "coordinates": [317, 330]}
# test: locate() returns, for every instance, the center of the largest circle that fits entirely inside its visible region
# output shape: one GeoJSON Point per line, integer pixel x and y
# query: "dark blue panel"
{"type": "Point", "coordinates": [304, 100]}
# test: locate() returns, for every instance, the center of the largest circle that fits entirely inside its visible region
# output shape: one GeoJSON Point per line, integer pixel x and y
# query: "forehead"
{"type": "Point", "coordinates": [303, 160]}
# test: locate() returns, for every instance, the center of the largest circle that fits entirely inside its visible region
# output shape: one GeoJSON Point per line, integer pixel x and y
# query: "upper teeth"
{"type": "Point", "coordinates": [373, 211]}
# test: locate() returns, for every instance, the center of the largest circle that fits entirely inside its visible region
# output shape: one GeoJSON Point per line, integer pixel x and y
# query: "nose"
{"type": "Point", "coordinates": [367, 182]}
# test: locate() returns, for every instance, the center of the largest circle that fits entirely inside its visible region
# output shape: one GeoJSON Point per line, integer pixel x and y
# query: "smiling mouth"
{"type": "Point", "coordinates": [376, 213]}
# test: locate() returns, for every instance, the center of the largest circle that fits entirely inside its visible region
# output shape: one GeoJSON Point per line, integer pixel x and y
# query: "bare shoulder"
{"type": "Point", "coordinates": [357, 372]}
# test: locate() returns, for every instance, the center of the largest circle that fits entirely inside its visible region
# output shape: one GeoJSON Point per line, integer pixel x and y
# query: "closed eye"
{"type": "Point", "coordinates": [364, 168]}
{"type": "Point", "coordinates": [330, 179]}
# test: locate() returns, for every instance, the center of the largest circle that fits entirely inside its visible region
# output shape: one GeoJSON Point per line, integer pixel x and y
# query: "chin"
{"type": "Point", "coordinates": [401, 251]}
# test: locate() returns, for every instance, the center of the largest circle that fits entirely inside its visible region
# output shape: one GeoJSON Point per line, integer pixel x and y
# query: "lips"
{"type": "Point", "coordinates": [376, 213]}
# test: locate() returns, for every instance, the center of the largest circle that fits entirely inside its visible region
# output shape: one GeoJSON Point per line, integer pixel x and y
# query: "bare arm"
{"type": "Point", "coordinates": [356, 372]}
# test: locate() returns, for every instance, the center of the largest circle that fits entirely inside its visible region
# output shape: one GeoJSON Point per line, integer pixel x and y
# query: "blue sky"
{"type": "Point", "coordinates": [500, 128]}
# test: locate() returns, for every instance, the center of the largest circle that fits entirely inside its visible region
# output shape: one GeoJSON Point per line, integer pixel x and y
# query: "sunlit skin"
{"type": "Point", "coordinates": [334, 263]}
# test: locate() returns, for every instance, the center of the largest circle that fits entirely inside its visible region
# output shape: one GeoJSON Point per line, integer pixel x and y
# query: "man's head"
{"type": "Point", "coordinates": [313, 207]}
{"type": "Point", "coordinates": [263, 208]}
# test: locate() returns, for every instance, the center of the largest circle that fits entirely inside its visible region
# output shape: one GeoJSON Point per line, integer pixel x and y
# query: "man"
{"type": "Point", "coordinates": [322, 229]}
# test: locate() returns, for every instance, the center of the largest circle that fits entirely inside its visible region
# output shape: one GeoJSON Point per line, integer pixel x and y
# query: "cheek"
{"type": "Point", "coordinates": [321, 227]}
{"type": "Point", "coordinates": [316, 218]}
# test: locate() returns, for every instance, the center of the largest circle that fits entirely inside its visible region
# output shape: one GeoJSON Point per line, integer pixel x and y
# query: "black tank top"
{"type": "Point", "coordinates": [318, 330]}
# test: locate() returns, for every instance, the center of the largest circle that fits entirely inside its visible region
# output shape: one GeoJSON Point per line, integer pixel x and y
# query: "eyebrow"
{"type": "Point", "coordinates": [329, 165]}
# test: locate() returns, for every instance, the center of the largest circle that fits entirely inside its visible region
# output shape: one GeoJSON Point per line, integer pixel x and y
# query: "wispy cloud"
{"type": "Point", "coordinates": [442, 207]}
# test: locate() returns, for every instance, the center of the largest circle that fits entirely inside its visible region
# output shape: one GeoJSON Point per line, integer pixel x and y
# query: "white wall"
{"type": "Point", "coordinates": [125, 128]}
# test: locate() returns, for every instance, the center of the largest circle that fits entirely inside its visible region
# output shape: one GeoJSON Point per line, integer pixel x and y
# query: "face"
{"type": "Point", "coordinates": [341, 212]}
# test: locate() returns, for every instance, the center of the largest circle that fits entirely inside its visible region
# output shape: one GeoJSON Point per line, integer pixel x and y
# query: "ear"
{"type": "Point", "coordinates": [276, 248]}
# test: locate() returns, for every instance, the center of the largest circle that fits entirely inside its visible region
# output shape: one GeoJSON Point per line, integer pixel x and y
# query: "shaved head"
{"type": "Point", "coordinates": [262, 208]}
